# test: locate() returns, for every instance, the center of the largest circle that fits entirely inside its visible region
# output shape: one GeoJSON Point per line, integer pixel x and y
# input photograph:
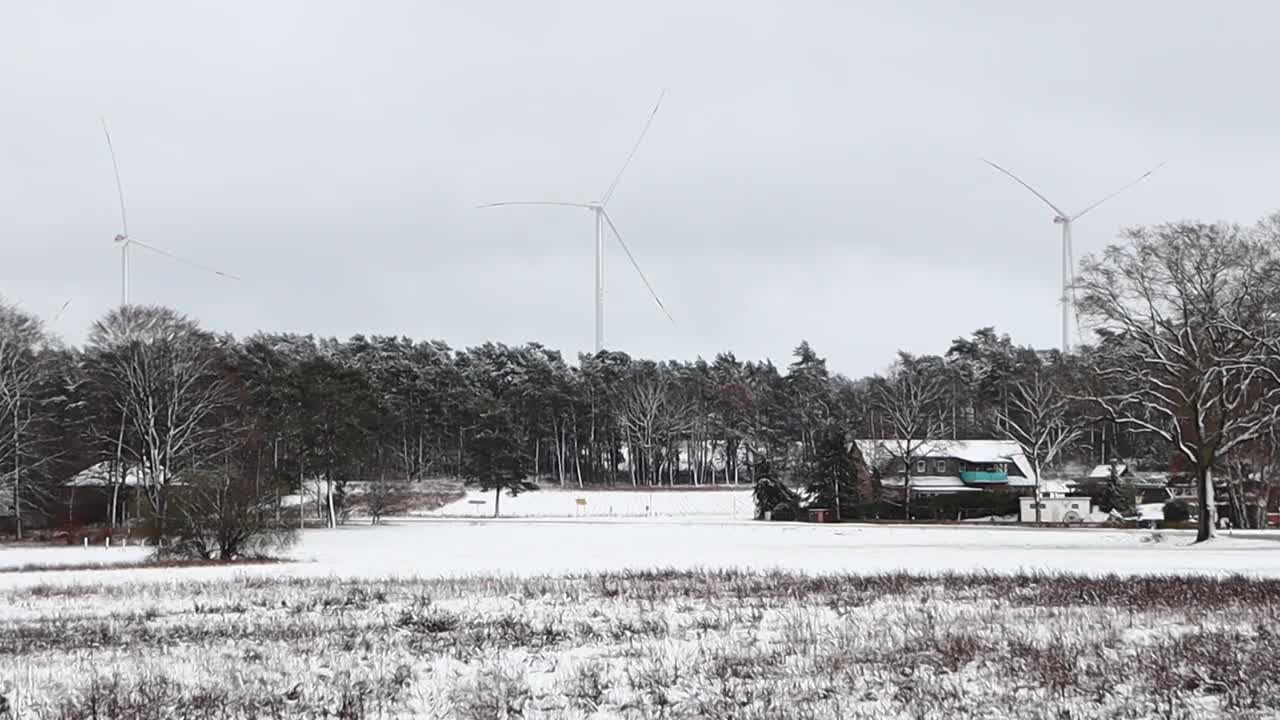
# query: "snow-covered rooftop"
{"type": "Point", "coordinates": [1054, 487]}
{"type": "Point", "coordinates": [102, 475]}
{"type": "Point", "coordinates": [1102, 472]}
{"type": "Point", "coordinates": [974, 451]}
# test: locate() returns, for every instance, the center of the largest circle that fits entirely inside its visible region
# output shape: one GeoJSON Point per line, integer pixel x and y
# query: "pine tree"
{"type": "Point", "coordinates": [1120, 494]}
{"type": "Point", "coordinates": [496, 458]}
{"type": "Point", "coordinates": [832, 475]}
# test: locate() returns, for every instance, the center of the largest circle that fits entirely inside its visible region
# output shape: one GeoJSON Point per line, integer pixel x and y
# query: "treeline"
{"type": "Point", "coordinates": [1185, 366]}
{"type": "Point", "coordinates": [153, 394]}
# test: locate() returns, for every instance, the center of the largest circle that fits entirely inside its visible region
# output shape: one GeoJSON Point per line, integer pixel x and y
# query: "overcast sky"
{"type": "Point", "coordinates": [814, 171]}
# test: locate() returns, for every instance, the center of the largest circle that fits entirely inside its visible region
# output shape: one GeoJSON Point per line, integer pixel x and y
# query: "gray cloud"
{"type": "Point", "coordinates": [814, 171]}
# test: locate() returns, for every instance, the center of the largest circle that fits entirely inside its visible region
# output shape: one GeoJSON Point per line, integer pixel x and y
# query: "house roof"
{"type": "Point", "coordinates": [974, 451]}
{"type": "Point", "coordinates": [100, 475]}
{"type": "Point", "coordinates": [1054, 487]}
{"type": "Point", "coordinates": [1102, 472]}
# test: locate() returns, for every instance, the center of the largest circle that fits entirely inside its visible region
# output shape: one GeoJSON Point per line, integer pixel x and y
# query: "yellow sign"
{"type": "Point", "coordinates": [582, 501]}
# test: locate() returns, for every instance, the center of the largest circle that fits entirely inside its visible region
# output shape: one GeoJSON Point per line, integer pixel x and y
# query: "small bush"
{"type": "Point", "coordinates": [1177, 511]}
{"type": "Point", "coordinates": [223, 516]}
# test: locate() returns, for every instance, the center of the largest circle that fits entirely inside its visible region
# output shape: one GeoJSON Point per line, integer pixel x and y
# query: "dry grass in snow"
{"type": "Point", "coordinates": [663, 644]}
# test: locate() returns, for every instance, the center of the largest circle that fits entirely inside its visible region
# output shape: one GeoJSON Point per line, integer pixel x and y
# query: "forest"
{"type": "Point", "coordinates": [1180, 374]}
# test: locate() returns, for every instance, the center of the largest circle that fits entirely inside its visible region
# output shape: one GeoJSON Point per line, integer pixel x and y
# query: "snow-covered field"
{"type": "Point", "coordinates": [553, 616]}
{"type": "Point", "coordinates": [606, 503]}
{"type": "Point", "coordinates": [438, 547]}
{"type": "Point", "coordinates": [644, 645]}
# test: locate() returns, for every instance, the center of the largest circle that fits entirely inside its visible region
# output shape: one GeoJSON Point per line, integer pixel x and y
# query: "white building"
{"type": "Point", "coordinates": [1061, 510]}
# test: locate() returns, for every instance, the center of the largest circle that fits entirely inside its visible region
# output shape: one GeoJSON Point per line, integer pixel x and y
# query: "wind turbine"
{"type": "Point", "coordinates": [597, 208]}
{"type": "Point", "coordinates": [1068, 253]}
{"type": "Point", "coordinates": [124, 241]}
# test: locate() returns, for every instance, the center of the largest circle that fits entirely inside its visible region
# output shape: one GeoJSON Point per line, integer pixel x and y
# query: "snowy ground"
{"type": "Point", "coordinates": [747, 646]}
{"type": "Point", "coordinates": [736, 504]}
{"type": "Point", "coordinates": [434, 547]}
{"type": "Point", "coordinates": [537, 617]}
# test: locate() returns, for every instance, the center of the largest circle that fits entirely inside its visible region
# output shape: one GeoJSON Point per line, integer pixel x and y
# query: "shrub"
{"type": "Point", "coordinates": [1177, 511]}
{"type": "Point", "coordinates": [223, 516]}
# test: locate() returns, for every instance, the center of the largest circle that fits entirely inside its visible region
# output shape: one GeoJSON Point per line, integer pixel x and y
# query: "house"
{"type": "Point", "coordinates": [947, 467]}
{"type": "Point", "coordinates": [1148, 487]}
{"type": "Point", "coordinates": [87, 497]}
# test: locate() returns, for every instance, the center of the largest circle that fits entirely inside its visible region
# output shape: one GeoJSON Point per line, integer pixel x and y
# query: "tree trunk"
{"type": "Point", "coordinates": [497, 499]}
{"type": "Point", "coordinates": [1035, 466]}
{"type": "Point", "coordinates": [1208, 526]}
{"type": "Point", "coordinates": [577, 457]}
{"type": "Point", "coordinates": [302, 499]}
{"type": "Point", "coordinates": [328, 491]}
{"type": "Point", "coordinates": [17, 477]}
{"type": "Point", "coordinates": [906, 489]}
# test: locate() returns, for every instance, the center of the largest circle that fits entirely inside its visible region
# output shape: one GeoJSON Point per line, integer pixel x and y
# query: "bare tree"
{"type": "Point", "coordinates": [383, 497]}
{"type": "Point", "coordinates": [1039, 420]}
{"type": "Point", "coordinates": [653, 417]}
{"type": "Point", "coordinates": [166, 378]}
{"type": "Point", "coordinates": [910, 401]}
{"type": "Point", "coordinates": [221, 513]}
{"type": "Point", "coordinates": [21, 338]}
{"type": "Point", "coordinates": [1189, 350]}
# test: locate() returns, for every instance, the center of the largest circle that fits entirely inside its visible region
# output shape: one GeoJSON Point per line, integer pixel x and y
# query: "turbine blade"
{"type": "Point", "coordinates": [58, 314]}
{"type": "Point", "coordinates": [124, 219]}
{"type": "Point", "coordinates": [183, 260]}
{"type": "Point", "coordinates": [1141, 177]}
{"type": "Point", "coordinates": [1023, 184]}
{"type": "Point", "coordinates": [636, 265]}
{"type": "Point", "coordinates": [618, 178]}
{"type": "Point", "coordinates": [534, 202]}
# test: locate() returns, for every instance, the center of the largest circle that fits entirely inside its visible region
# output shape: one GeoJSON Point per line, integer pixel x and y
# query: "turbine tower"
{"type": "Point", "coordinates": [125, 241]}
{"type": "Point", "coordinates": [1068, 253]}
{"type": "Point", "coordinates": [602, 219]}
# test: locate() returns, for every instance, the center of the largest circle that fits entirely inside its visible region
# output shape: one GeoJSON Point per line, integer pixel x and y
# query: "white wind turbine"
{"type": "Point", "coordinates": [124, 241]}
{"type": "Point", "coordinates": [602, 218]}
{"type": "Point", "coordinates": [1068, 253]}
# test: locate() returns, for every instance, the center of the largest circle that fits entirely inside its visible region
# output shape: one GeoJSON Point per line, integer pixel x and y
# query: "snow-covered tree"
{"type": "Point", "coordinates": [1189, 347]}
{"type": "Point", "coordinates": [1039, 419]}
{"type": "Point", "coordinates": [833, 477]}
{"type": "Point", "coordinates": [21, 340]}
{"type": "Point", "coordinates": [167, 379]}
{"type": "Point", "coordinates": [909, 399]}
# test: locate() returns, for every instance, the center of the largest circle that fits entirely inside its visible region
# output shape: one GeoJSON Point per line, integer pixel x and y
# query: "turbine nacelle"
{"type": "Point", "coordinates": [1068, 254]}
{"type": "Point", "coordinates": [603, 221]}
{"type": "Point", "coordinates": [122, 238]}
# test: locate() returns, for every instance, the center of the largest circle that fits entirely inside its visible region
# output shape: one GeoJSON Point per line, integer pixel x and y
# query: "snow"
{"type": "Point", "coordinates": [1151, 511]}
{"type": "Point", "coordinates": [435, 547]}
{"type": "Point", "coordinates": [1050, 488]}
{"type": "Point", "coordinates": [950, 483]}
{"type": "Point", "coordinates": [725, 504]}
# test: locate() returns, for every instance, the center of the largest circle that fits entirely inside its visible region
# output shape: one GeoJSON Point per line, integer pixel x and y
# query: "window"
{"type": "Point", "coordinates": [940, 467]}
{"type": "Point", "coordinates": [1075, 506]}
{"type": "Point", "coordinates": [920, 467]}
